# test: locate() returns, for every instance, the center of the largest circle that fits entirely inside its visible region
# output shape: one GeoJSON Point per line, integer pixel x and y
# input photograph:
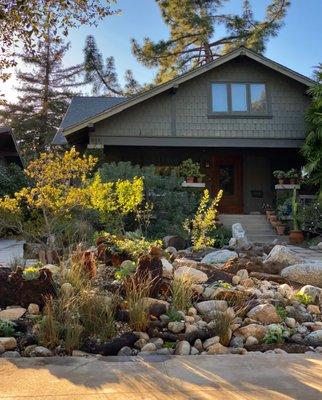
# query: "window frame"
{"type": "Point", "coordinates": [239, 114]}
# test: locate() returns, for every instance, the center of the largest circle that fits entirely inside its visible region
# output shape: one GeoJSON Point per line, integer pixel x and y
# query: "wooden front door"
{"type": "Point", "coordinates": [227, 175]}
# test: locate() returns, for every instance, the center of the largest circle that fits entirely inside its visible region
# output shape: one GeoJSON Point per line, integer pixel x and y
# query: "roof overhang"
{"type": "Point", "coordinates": [185, 77]}
{"type": "Point", "coordinates": [171, 141]}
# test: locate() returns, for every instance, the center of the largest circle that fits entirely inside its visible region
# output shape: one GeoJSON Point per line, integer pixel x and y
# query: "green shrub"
{"type": "Point", "coordinates": [303, 298]}
{"type": "Point", "coordinates": [281, 311]}
{"type": "Point", "coordinates": [31, 273]}
{"type": "Point", "coordinates": [12, 179]}
{"type": "Point", "coordinates": [174, 315]}
{"type": "Point", "coordinates": [127, 268]}
{"type": "Point", "coordinates": [171, 203]}
{"type": "Point", "coordinates": [275, 334]}
{"type": "Point", "coordinates": [6, 328]}
{"type": "Point", "coordinates": [311, 217]}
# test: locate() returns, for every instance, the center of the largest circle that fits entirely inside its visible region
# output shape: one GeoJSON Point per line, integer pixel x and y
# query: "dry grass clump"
{"type": "Point", "coordinates": [182, 293]}
{"type": "Point", "coordinates": [221, 327]}
{"type": "Point", "coordinates": [49, 327]}
{"type": "Point", "coordinates": [135, 292]}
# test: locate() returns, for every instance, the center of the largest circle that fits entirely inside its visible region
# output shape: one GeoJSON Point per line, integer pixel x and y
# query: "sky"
{"type": "Point", "coordinates": [297, 46]}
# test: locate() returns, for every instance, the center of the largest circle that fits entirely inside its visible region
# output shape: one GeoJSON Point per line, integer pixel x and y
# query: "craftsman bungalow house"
{"type": "Point", "coordinates": [241, 116]}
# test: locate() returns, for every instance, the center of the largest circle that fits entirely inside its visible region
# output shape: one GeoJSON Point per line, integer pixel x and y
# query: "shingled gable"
{"type": "Point", "coordinates": [111, 109]}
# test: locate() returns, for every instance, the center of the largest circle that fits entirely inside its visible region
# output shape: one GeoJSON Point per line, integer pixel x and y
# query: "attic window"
{"type": "Point", "coordinates": [238, 98]}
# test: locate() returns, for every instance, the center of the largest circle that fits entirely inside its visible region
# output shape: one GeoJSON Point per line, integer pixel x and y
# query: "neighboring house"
{"type": "Point", "coordinates": [241, 116]}
{"type": "Point", "coordinates": [8, 147]}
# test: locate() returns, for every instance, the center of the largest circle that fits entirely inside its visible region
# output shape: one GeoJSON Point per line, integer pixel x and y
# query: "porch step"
{"type": "Point", "coordinates": [257, 228]}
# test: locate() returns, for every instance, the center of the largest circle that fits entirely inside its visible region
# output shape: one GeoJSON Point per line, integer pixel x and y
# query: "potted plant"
{"type": "Point", "coordinates": [189, 170]}
{"type": "Point", "coordinates": [296, 234]}
{"type": "Point", "coordinates": [293, 176]}
{"type": "Point", "coordinates": [268, 210]}
{"type": "Point", "coordinates": [280, 228]}
{"type": "Point", "coordinates": [280, 175]}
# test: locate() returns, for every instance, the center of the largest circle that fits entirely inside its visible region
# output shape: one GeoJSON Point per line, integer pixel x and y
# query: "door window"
{"type": "Point", "coordinates": [227, 179]}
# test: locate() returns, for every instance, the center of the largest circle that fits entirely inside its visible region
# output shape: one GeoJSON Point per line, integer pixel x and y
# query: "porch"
{"type": "Point", "coordinates": [245, 174]}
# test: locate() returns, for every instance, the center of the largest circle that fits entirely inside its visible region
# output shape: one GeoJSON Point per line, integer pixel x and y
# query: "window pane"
{"type": "Point", "coordinates": [238, 97]}
{"type": "Point", "coordinates": [258, 97]}
{"type": "Point", "coordinates": [226, 179]}
{"type": "Point", "coordinates": [219, 97]}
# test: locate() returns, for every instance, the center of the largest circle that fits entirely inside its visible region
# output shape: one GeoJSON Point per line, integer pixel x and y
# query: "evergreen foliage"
{"type": "Point", "coordinates": [45, 88]}
{"type": "Point", "coordinates": [312, 148]}
{"type": "Point", "coordinates": [103, 76]}
{"type": "Point", "coordinates": [193, 41]}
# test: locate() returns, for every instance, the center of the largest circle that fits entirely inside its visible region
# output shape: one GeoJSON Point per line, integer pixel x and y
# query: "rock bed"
{"type": "Point", "coordinates": [263, 299]}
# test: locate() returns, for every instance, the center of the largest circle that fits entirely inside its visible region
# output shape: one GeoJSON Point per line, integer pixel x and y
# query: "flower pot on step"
{"type": "Point", "coordinates": [296, 237]}
{"type": "Point", "coordinates": [280, 229]}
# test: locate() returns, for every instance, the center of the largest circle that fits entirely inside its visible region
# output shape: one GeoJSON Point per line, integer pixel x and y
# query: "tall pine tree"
{"type": "Point", "coordinates": [45, 88]}
{"type": "Point", "coordinates": [103, 76]}
{"type": "Point", "coordinates": [194, 40]}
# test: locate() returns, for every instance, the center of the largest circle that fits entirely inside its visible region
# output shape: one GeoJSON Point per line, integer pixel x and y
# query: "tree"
{"type": "Point", "coordinates": [102, 76]}
{"type": "Point", "coordinates": [45, 88]}
{"type": "Point", "coordinates": [60, 185]}
{"type": "Point", "coordinates": [312, 148]}
{"type": "Point", "coordinates": [193, 28]}
{"type": "Point", "coordinates": [25, 22]}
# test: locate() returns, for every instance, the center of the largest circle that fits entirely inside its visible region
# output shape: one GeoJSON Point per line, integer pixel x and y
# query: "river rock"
{"type": "Point", "coordinates": [149, 347]}
{"type": "Point", "coordinates": [258, 331]}
{"type": "Point", "coordinates": [33, 309]}
{"type": "Point", "coordinates": [167, 268]}
{"type": "Point", "coordinates": [219, 257]}
{"type": "Point", "coordinates": [217, 349]}
{"type": "Point", "coordinates": [283, 255]}
{"type": "Point", "coordinates": [12, 313]}
{"type": "Point", "coordinates": [176, 326]}
{"type": "Point", "coordinates": [307, 274]}
{"type": "Point", "coordinates": [11, 354]}
{"type": "Point", "coordinates": [191, 274]}
{"type": "Point", "coordinates": [8, 343]}
{"type": "Point", "coordinates": [205, 307]}
{"type": "Point", "coordinates": [211, 341]}
{"type": "Point", "coordinates": [182, 348]}
{"type": "Point", "coordinates": [264, 313]}
{"type": "Point", "coordinates": [314, 338]}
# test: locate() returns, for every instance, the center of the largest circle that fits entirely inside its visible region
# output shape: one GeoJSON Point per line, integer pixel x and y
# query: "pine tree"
{"type": "Point", "coordinates": [45, 88]}
{"type": "Point", "coordinates": [103, 76]}
{"type": "Point", "coordinates": [193, 34]}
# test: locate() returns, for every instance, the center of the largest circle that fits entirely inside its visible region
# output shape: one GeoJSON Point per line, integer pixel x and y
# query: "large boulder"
{"type": "Point", "coordinates": [174, 241]}
{"type": "Point", "coordinates": [191, 274]}
{"type": "Point", "coordinates": [219, 257]}
{"type": "Point", "coordinates": [12, 313]}
{"type": "Point", "coordinates": [314, 338]}
{"type": "Point", "coordinates": [167, 268]}
{"type": "Point", "coordinates": [283, 255]}
{"type": "Point", "coordinates": [239, 234]}
{"type": "Point", "coordinates": [307, 274]}
{"type": "Point", "coordinates": [264, 313]}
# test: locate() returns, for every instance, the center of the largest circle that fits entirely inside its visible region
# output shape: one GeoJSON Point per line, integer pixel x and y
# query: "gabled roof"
{"type": "Point", "coordinates": [125, 103]}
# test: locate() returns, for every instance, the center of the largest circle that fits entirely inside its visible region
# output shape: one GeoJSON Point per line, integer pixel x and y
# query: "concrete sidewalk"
{"type": "Point", "coordinates": [226, 377]}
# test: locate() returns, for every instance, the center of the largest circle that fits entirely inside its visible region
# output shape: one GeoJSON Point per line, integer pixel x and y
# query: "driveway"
{"type": "Point", "coordinates": [225, 377]}
{"type": "Point", "coordinates": [10, 250]}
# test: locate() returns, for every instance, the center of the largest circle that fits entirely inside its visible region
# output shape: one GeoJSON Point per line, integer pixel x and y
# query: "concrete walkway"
{"type": "Point", "coordinates": [226, 377]}
{"type": "Point", "coordinates": [307, 254]}
{"type": "Point", "coordinates": [10, 250]}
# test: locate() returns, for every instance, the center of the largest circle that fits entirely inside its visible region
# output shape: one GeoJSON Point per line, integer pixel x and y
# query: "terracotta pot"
{"type": "Point", "coordinates": [269, 213]}
{"type": "Point", "coordinates": [280, 229]}
{"type": "Point", "coordinates": [296, 237]}
{"type": "Point", "coordinates": [190, 179]}
{"type": "Point", "coordinates": [274, 224]}
{"type": "Point", "coordinates": [273, 218]}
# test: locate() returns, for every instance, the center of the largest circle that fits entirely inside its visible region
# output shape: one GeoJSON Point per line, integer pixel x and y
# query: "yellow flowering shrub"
{"type": "Point", "coordinates": [204, 221]}
{"type": "Point", "coordinates": [61, 183]}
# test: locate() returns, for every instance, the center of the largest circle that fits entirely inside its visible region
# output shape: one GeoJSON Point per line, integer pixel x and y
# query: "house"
{"type": "Point", "coordinates": [241, 116]}
{"type": "Point", "coordinates": [8, 148]}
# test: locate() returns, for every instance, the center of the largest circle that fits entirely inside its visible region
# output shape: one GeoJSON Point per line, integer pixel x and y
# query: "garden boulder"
{"type": "Point", "coordinates": [219, 257]}
{"type": "Point", "coordinates": [191, 274]}
{"type": "Point", "coordinates": [307, 274]}
{"type": "Point", "coordinates": [283, 255]}
{"type": "Point", "coordinates": [264, 313]}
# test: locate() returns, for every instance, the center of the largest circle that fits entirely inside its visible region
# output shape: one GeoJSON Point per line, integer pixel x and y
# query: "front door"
{"type": "Point", "coordinates": [227, 175]}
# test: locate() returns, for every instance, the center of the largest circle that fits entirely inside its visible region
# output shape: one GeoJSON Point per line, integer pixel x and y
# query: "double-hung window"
{"type": "Point", "coordinates": [238, 98]}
